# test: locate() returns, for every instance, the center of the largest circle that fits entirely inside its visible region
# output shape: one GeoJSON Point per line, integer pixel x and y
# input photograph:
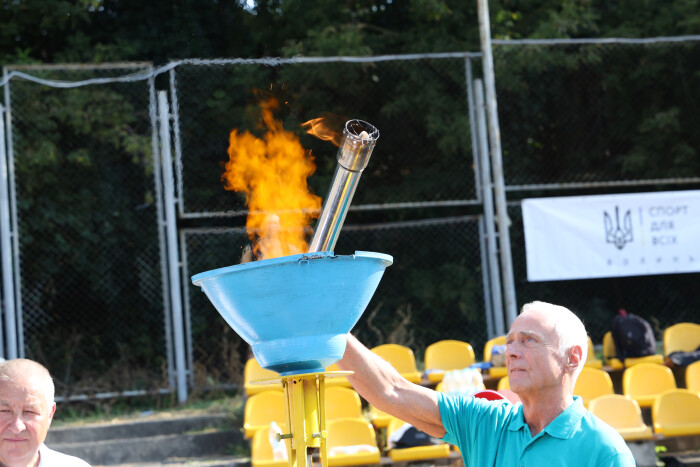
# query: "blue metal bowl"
{"type": "Point", "coordinates": [295, 311]}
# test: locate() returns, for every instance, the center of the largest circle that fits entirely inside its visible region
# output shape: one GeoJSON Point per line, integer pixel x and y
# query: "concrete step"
{"type": "Point", "coordinates": [159, 439]}
{"type": "Point", "coordinates": [138, 428]}
{"type": "Point", "coordinates": [151, 449]}
{"type": "Point", "coordinates": [223, 461]}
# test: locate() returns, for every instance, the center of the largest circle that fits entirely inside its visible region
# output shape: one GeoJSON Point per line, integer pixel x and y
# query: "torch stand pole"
{"type": "Point", "coordinates": [306, 417]}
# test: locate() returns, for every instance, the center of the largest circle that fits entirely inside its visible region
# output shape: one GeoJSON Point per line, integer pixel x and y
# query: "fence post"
{"type": "Point", "coordinates": [180, 196]}
{"type": "Point", "coordinates": [171, 242]}
{"type": "Point", "coordinates": [160, 219]}
{"type": "Point", "coordinates": [490, 311]}
{"type": "Point", "coordinates": [488, 207]}
{"type": "Point", "coordinates": [8, 286]}
{"type": "Point", "coordinates": [497, 165]}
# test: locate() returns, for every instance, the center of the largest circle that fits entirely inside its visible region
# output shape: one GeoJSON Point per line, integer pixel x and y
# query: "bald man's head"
{"type": "Point", "coordinates": [26, 410]}
{"type": "Point", "coordinates": [22, 369]}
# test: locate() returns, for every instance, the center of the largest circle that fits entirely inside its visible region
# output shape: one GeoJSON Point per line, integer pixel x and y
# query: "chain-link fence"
{"type": "Point", "coordinates": [90, 294]}
{"type": "Point", "coordinates": [422, 163]}
{"type": "Point", "coordinates": [428, 294]}
{"type": "Point", "coordinates": [93, 293]}
{"type": "Point", "coordinates": [420, 107]}
{"type": "Point", "coordinates": [593, 118]}
{"type": "Point", "coordinates": [598, 112]}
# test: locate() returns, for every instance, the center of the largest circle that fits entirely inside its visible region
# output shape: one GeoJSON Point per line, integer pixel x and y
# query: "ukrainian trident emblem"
{"type": "Point", "coordinates": [618, 234]}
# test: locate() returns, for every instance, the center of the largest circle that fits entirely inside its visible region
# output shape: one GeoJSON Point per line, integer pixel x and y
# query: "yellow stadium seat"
{"type": "Point", "coordinates": [692, 376]}
{"type": "Point", "coordinates": [261, 453]}
{"type": "Point", "coordinates": [351, 442]}
{"type": "Point", "coordinates": [503, 383]}
{"type": "Point", "coordinates": [416, 453]}
{"type": "Point", "coordinates": [681, 337]}
{"type": "Point", "coordinates": [379, 419]}
{"type": "Point", "coordinates": [591, 361]}
{"type": "Point", "coordinates": [261, 409]}
{"type": "Point", "coordinates": [677, 413]}
{"type": "Point", "coordinates": [609, 353]}
{"type": "Point", "coordinates": [496, 371]}
{"type": "Point", "coordinates": [645, 382]}
{"type": "Point", "coordinates": [401, 358]}
{"type": "Point", "coordinates": [337, 381]}
{"type": "Point", "coordinates": [254, 372]}
{"type": "Point", "coordinates": [592, 383]}
{"type": "Point", "coordinates": [447, 355]}
{"type": "Point", "coordinates": [343, 403]}
{"type": "Point", "coordinates": [612, 361]}
{"type": "Point", "coordinates": [623, 414]}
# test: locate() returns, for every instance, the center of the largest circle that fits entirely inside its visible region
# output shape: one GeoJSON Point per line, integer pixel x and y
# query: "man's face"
{"type": "Point", "coordinates": [532, 357]}
{"type": "Point", "coordinates": [25, 416]}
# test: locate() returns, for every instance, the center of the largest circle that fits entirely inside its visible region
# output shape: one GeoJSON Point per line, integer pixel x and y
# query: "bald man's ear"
{"type": "Point", "coordinates": [573, 360]}
{"type": "Point", "coordinates": [52, 411]}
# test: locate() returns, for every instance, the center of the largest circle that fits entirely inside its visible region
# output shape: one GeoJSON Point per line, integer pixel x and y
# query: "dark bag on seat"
{"type": "Point", "coordinates": [633, 337]}
{"type": "Point", "coordinates": [684, 358]}
{"type": "Point", "coordinates": [409, 436]}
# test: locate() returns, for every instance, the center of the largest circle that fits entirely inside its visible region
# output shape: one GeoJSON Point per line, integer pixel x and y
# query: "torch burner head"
{"type": "Point", "coordinates": [356, 145]}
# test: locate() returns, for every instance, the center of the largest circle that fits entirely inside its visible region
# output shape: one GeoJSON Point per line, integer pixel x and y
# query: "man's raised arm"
{"type": "Point", "coordinates": [383, 387]}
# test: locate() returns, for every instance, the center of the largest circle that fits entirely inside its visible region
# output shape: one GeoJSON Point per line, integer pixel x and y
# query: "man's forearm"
{"type": "Point", "coordinates": [372, 376]}
{"type": "Point", "coordinates": [383, 387]}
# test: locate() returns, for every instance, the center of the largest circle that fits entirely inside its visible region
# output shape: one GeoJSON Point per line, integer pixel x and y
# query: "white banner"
{"type": "Point", "coordinates": [582, 237]}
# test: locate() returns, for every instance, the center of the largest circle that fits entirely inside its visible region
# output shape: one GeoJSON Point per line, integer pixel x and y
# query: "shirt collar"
{"type": "Point", "coordinates": [560, 427]}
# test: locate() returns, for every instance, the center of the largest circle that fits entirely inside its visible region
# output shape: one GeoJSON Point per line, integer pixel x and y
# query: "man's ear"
{"type": "Point", "coordinates": [573, 359]}
{"type": "Point", "coordinates": [52, 411]}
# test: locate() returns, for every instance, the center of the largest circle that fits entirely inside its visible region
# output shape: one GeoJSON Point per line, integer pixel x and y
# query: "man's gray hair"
{"type": "Point", "coordinates": [22, 367]}
{"type": "Point", "coordinates": [568, 327]}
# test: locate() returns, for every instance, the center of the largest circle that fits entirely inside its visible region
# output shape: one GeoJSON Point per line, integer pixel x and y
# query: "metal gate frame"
{"type": "Point", "coordinates": [491, 275]}
{"type": "Point", "coordinates": [12, 346]}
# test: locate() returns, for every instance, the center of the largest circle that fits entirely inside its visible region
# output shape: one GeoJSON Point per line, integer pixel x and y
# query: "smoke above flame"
{"type": "Point", "coordinates": [272, 172]}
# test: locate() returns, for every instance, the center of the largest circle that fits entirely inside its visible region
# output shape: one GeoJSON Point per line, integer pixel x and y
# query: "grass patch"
{"type": "Point", "coordinates": [107, 410]}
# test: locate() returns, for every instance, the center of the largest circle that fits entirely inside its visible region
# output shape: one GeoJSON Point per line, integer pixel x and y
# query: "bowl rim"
{"type": "Point", "coordinates": [388, 260]}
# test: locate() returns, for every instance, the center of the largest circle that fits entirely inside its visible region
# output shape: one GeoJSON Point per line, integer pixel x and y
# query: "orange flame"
{"type": "Point", "coordinates": [327, 128]}
{"type": "Point", "coordinates": [272, 172]}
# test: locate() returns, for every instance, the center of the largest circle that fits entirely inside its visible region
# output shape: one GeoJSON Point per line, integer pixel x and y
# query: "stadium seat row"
{"type": "Point", "coordinates": [447, 355]}
{"type": "Point", "coordinates": [644, 382]}
{"type": "Point", "coordinates": [351, 439]}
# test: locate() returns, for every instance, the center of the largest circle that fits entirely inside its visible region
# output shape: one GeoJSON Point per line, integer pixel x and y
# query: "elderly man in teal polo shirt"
{"type": "Point", "coordinates": [545, 352]}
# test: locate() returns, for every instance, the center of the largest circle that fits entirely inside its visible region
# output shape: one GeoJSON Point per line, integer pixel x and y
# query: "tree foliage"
{"type": "Point", "coordinates": [52, 31]}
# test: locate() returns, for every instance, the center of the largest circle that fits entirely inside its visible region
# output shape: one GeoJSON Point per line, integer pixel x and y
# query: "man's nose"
{"type": "Point", "coordinates": [512, 350]}
{"type": "Point", "coordinates": [17, 425]}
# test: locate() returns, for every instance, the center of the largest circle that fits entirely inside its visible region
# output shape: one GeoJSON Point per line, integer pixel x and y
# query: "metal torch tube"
{"type": "Point", "coordinates": [356, 145]}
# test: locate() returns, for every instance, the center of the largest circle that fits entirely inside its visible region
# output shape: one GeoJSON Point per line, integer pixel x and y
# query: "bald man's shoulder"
{"type": "Point", "coordinates": [50, 458]}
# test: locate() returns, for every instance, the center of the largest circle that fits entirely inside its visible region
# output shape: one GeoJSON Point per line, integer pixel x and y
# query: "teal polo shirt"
{"type": "Point", "coordinates": [494, 433]}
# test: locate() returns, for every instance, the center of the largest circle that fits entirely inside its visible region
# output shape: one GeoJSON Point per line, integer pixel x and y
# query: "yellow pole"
{"type": "Point", "coordinates": [322, 412]}
{"type": "Point", "coordinates": [305, 411]}
{"type": "Point", "coordinates": [306, 417]}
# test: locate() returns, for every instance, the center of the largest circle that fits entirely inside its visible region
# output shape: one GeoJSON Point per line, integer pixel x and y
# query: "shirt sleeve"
{"type": "Point", "coordinates": [463, 418]}
{"type": "Point", "coordinates": [449, 409]}
{"type": "Point", "coordinates": [619, 459]}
